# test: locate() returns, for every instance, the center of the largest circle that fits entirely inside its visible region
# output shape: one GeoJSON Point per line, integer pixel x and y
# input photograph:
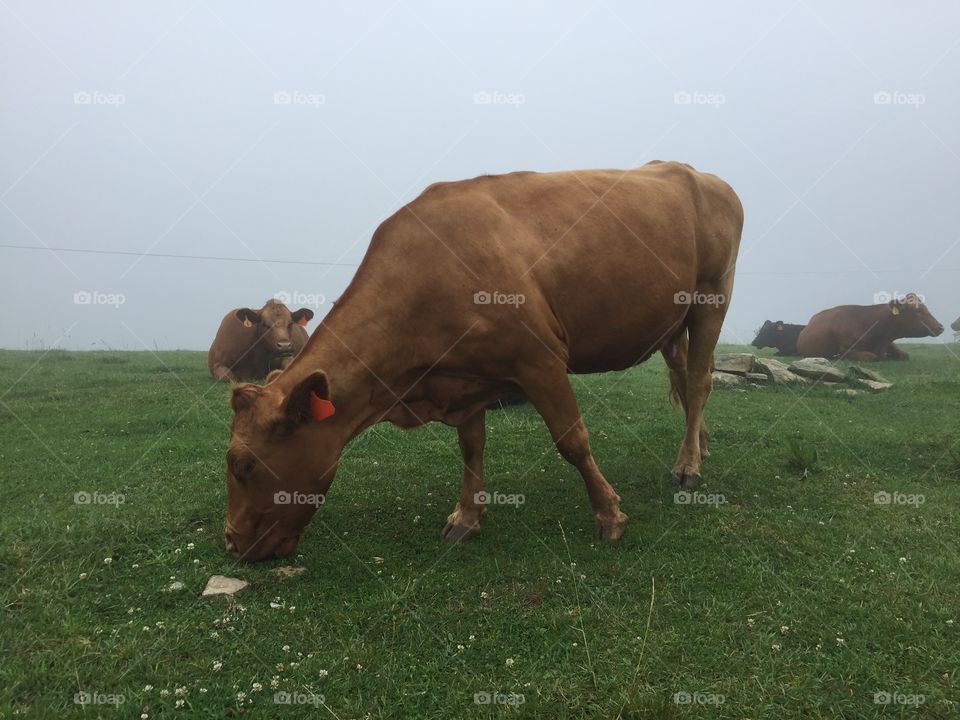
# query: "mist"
{"type": "Point", "coordinates": [185, 158]}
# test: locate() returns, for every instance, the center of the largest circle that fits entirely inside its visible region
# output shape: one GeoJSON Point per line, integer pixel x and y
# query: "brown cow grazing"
{"type": "Point", "coordinates": [251, 343]}
{"type": "Point", "coordinates": [865, 333]}
{"type": "Point", "coordinates": [783, 336]}
{"type": "Point", "coordinates": [483, 286]}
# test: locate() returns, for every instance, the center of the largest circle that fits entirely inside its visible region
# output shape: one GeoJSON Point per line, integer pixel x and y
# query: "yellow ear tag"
{"type": "Point", "coordinates": [895, 310]}
{"type": "Point", "coordinates": [247, 323]}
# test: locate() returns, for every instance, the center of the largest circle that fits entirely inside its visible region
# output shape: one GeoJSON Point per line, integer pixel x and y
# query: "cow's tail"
{"type": "Point", "coordinates": [675, 401]}
{"type": "Point", "coordinates": [675, 355]}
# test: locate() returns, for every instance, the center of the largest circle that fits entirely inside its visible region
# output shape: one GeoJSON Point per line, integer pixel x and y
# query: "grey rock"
{"type": "Point", "coordinates": [176, 585]}
{"type": "Point", "coordinates": [867, 374]}
{"type": "Point", "coordinates": [722, 379]}
{"type": "Point", "coordinates": [736, 363]}
{"type": "Point", "coordinates": [223, 585]}
{"type": "Point", "coordinates": [757, 377]}
{"type": "Point", "coordinates": [847, 392]}
{"type": "Point", "coordinates": [778, 371]}
{"type": "Point", "coordinates": [875, 386]}
{"type": "Point", "coordinates": [289, 571]}
{"type": "Point", "coordinates": [817, 369]}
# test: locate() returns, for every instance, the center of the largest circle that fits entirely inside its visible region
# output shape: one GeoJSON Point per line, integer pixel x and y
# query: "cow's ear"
{"type": "Point", "coordinates": [248, 317]}
{"type": "Point", "coordinates": [243, 396]}
{"type": "Point", "coordinates": [273, 375]}
{"type": "Point", "coordinates": [309, 400]}
{"type": "Point", "coordinates": [303, 316]}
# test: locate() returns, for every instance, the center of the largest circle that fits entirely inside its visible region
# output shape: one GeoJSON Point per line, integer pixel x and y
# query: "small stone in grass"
{"type": "Point", "coordinates": [288, 570]}
{"type": "Point", "coordinates": [222, 585]}
{"type": "Point", "coordinates": [176, 585]}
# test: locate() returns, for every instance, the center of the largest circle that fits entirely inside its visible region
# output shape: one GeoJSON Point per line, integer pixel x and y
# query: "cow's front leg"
{"type": "Point", "coordinates": [549, 390]}
{"type": "Point", "coordinates": [464, 522]}
{"type": "Point", "coordinates": [896, 353]}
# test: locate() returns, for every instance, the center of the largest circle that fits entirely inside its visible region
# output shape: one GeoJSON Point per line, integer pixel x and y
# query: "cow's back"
{"type": "Point", "coordinates": [831, 331]}
{"type": "Point", "coordinates": [599, 257]}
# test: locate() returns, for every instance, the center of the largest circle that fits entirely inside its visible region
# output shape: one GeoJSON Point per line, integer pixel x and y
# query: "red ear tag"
{"type": "Point", "coordinates": [320, 409]}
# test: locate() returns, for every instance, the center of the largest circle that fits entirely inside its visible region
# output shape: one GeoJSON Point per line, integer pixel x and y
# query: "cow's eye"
{"type": "Point", "coordinates": [243, 467]}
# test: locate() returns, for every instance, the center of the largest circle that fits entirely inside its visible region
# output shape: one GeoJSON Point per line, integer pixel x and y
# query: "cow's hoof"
{"type": "Point", "coordinates": [610, 530]}
{"type": "Point", "coordinates": [685, 481]}
{"type": "Point", "coordinates": [458, 533]}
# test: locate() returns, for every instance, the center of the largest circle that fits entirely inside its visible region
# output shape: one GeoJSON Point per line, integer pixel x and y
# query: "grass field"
{"type": "Point", "coordinates": [798, 596]}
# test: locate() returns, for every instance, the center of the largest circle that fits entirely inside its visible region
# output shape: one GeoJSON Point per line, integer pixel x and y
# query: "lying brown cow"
{"type": "Point", "coordinates": [480, 287]}
{"type": "Point", "coordinates": [251, 343]}
{"type": "Point", "coordinates": [865, 333]}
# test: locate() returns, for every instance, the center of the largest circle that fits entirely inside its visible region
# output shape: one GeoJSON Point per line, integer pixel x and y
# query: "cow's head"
{"type": "Point", "coordinates": [912, 319]}
{"type": "Point", "coordinates": [769, 334]}
{"type": "Point", "coordinates": [956, 325]}
{"type": "Point", "coordinates": [284, 448]}
{"type": "Point", "coordinates": [274, 324]}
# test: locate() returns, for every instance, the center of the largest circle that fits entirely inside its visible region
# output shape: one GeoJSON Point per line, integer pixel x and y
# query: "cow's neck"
{"type": "Point", "coordinates": [363, 361]}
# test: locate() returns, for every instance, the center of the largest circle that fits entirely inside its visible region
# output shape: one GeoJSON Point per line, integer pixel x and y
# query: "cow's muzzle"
{"type": "Point", "coordinates": [262, 549]}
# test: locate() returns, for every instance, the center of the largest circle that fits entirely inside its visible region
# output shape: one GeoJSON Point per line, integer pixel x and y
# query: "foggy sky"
{"type": "Point", "coordinates": [162, 128]}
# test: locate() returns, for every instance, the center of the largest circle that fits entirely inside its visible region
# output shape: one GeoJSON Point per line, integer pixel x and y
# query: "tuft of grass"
{"type": "Point", "coordinates": [802, 457]}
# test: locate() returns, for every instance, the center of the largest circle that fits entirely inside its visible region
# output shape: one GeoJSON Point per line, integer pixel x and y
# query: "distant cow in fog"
{"type": "Point", "coordinates": [251, 343]}
{"type": "Point", "coordinates": [866, 332]}
{"type": "Point", "coordinates": [780, 335]}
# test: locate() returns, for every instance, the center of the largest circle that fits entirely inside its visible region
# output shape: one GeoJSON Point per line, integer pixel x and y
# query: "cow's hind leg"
{"type": "Point", "coordinates": [703, 325]}
{"type": "Point", "coordinates": [895, 352]}
{"type": "Point", "coordinates": [550, 392]}
{"type": "Point", "coordinates": [464, 521]}
{"type": "Point", "coordinates": [861, 356]}
{"type": "Point", "coordinates": [675, 355]}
